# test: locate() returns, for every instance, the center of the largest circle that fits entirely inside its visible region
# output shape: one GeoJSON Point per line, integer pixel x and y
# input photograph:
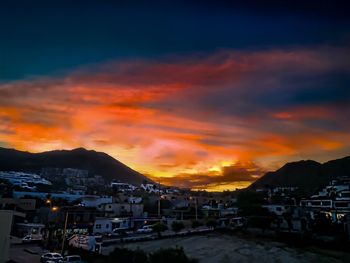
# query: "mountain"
{"type": "Point", "coordinates": [95, 162]}
{"type": "Point", "coordinates": [307, 175]}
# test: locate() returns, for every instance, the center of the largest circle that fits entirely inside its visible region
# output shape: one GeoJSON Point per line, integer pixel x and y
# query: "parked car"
{"type": "Point", "coordinates": [120, 232]}
{"type": "Point", "coordinates": [145, 229]}
{"type": "Point", "coordinates": [51, 257]}
{"type": "Point", "coordinates": [73, 259]}
{"type": "Point", "coordinates": [32, 238]}
{"type": "Point", "coordinates": [238, 223]}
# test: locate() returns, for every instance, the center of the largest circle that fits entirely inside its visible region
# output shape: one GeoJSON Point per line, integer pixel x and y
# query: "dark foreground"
{"type": "Point", "coordinates": [216, 247]}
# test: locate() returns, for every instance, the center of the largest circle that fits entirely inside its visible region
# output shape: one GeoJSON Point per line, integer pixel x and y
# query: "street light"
{"type": "Point", "coordinates": [159, 197]}
{"type": "Point", "coordinates": [55, 209]}
{"type": "Point", "coordinates": [195, 206]}
{"type": "Point", "coordinates": [49, 202]}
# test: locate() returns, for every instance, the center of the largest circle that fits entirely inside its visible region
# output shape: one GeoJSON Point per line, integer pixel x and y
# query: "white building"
{"type": "Point", "coordinates": [123, 187]}
{"type": "Point", "coordinates": [95, 201]}
{"type": "Point", "coordinates": [121, 209]}
{"type": "Point", "coordinates": [151, 188]}
{"type": "Point", "coordinates": [107, 225]}
{"type": "Point", "coordinates": [334, 198]}
{"type": "Point", "coordinates": [23, 179]}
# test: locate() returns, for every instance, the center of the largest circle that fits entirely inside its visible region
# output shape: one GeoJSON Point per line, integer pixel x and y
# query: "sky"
{"type": "Point", "coordinates": [197, 94]}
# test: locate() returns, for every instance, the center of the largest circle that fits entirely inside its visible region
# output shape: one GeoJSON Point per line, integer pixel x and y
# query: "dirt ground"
{"type": "Point", "coordinates": [214, 248]}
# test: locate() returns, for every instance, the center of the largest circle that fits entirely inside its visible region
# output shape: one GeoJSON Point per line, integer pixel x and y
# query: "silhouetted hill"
{"type": "Point", "coordinates": [307, 175]}
{"type": "Point", "coordinates": [95, 162]}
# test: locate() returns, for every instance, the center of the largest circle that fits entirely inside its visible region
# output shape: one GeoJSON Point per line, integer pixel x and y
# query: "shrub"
{"type": "Point", "coordinates": [196, 224]}
{"type": "Point", "coordinates": [159, 227]}
{"type": "Point", "coordinates": [177, 226]}
{"type": "Point", "coordinates": [212, 223]}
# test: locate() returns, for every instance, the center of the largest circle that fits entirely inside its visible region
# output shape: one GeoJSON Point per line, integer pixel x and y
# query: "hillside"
{"type": "Point", "coordinates": [95, 162]}
{"type": "Point", "coordinates": [307, 175]}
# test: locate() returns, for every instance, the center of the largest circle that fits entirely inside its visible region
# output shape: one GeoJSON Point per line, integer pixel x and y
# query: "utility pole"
{"type": "Point", "coordinates": [159, 199]}
{"type": "Point", "coordinates": [196, 208]}
{"type": "Point", "coordinates": [64, 232]}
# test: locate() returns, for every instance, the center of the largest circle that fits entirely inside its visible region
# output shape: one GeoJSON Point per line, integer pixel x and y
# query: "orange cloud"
{"type": "Point", "coordinates": [182, 117]}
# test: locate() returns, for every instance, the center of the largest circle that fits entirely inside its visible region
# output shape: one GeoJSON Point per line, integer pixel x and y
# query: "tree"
{"type": "Point", "coordinates": [159, 227]}
{"type": "Point", "coordinates": [211, 223]}
{"type": "Point", "coordinates": [196, 224]}
{"type": "Point", "coordinates": [249, 201]}
{"type": "Point", "coordinates": [177, 226]}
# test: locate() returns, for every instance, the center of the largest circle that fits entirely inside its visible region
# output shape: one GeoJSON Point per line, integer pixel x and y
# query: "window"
{"type": "Point", "coordinates": [107, 225]}
{"type": "Point", "coordinates": [342, 205]}
{"type": "Point", "coordinates": [98, 226]}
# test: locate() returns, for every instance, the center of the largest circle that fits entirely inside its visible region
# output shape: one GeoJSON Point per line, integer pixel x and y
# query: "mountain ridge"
{"type": "Point", "coordinates": [80, 158]}
{"type": "Point", "coordinates": [308, 175]}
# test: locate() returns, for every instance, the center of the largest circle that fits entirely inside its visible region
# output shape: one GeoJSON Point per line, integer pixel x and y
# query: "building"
{"type": "Point", "coordinates": [24, 180]}
{"type": "Point", "coordinates": [122, 187]}
{"type": "Point", "coordinates": [333, 199]}
{"type": "Point", "coordinates": [104, 225]}
{"type": "Point", "coordinates": [24, 204]}
{"type": "Point", "coordinates": [6, 219]}
{"type": "Point", "coordinates": [277, 209]}
{"type": "Point", "coordinates": [121, 209]}
{"type": "Point", "coordinates": [95, 201]}
{"type": "Point", "coordinates": [43, 195]}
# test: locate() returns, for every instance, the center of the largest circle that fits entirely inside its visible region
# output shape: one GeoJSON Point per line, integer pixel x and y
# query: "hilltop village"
{"type": "Point", "coordinates": [62, 208]}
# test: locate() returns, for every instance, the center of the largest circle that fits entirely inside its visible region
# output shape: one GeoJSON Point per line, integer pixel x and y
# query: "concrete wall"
{"type": "Point", "coordinates": [5, 230]}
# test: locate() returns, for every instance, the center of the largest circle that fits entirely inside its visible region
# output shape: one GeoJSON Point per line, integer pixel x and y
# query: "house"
{"type": "Point", "coordinates": [333, 199]}
{"type": "Point", "coordinates": [121, 209]}
{"type": "Point", "coordinates": [95, 201]}
{"type": "Point", "coordinates": [23, 229]}
{"type": "Point", "coordinates": [43, 195]}
{"type": "Point", "coordinates": [6, 219]}
{"type": "Point", "coordinates": [105, 225]}
{"type": "Point", "coordinates": [151, 188]}
{"type": "Point", "coordinates": [23, 180]}
{"type": "Point", "coordinates": [25, 204]}
{"type": "Point", "coordinates": [278, 210]}
{"type": "Point", "coordinates": [122, 187]}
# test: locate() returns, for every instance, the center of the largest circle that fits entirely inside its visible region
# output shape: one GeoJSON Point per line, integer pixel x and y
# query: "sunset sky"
{"type": "Point", "coordinates": [201, 94]}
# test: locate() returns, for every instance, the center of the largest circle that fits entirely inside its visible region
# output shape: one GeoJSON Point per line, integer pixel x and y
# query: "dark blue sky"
{"type": "Point", "coordinates": [184, 89]}
{"type": "Point", "coordinates": [52, 37]}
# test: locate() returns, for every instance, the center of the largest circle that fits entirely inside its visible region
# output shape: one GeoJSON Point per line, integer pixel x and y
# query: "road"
{"type": "Point", "coordinates": [224, 248]}
{"type": "Point", "coordinates": [20, 254]}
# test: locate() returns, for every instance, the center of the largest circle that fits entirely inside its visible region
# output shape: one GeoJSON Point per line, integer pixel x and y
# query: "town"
{"type": "Point", "coordinates": [64, 208]}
